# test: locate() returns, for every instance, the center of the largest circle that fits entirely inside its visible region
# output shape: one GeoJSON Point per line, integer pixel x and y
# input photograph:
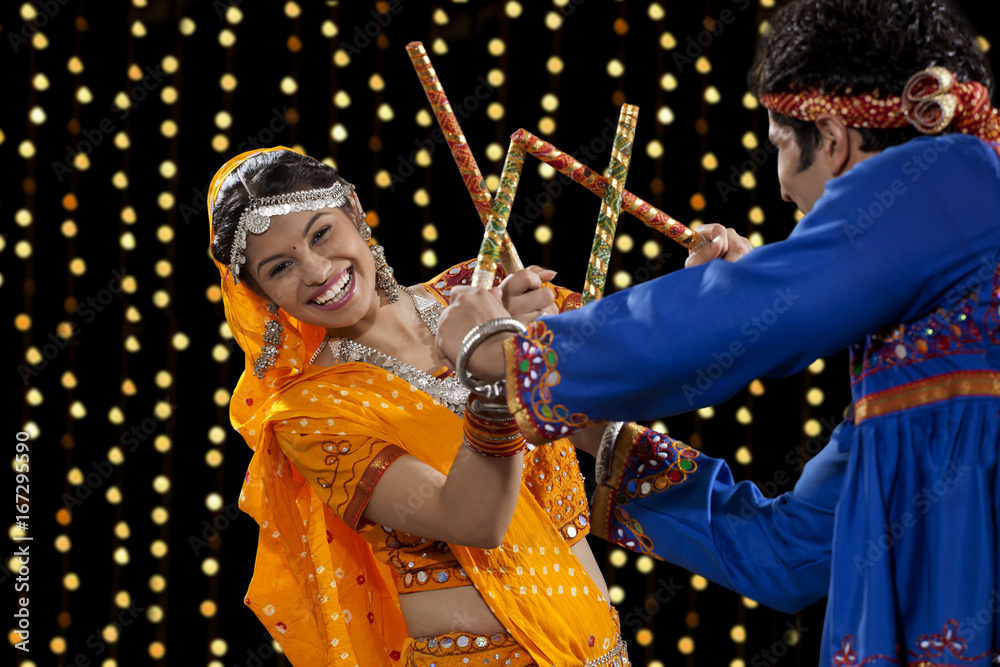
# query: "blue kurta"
{"type": "Point", "coordinates": [898, 520]}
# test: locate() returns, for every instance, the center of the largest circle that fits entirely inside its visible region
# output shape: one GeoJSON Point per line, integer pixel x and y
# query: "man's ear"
{"type": "Point", "coordinates": [835, 148]}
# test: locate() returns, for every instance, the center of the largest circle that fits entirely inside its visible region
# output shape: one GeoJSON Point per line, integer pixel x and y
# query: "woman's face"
{"type": "Point", "coordinates": [316, 267]}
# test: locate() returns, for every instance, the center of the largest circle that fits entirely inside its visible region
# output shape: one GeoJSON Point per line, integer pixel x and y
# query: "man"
{"type": "Point", "coordinates": [898, 258]}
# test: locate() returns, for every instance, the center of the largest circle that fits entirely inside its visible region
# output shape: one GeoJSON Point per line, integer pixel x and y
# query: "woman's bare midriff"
{"type": "Point", "coordinates": [432, 613]}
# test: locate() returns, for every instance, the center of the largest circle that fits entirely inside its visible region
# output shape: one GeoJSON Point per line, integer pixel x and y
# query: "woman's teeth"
{"type": "Point", "coordinates": [338, 291]}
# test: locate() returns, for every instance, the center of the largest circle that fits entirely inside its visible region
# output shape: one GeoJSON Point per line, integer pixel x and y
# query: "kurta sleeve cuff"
{"type": "Point", "coordinates": [643, 461]}
{"type": "Point", "coordinates": [532, 373]}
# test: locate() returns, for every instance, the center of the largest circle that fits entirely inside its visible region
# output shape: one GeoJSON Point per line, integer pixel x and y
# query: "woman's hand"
{"type": "Point", "coordinates": [726, 244]}
{"type": "Point", "coordinates": [524, 297]}
{"type": "Point", "coordinates": [589, 439]}
{"type": "Point", "coordinates": [469, 308]}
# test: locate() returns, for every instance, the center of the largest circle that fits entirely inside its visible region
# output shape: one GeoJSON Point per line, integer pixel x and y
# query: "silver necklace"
{"type": "Point", "coordinates": [449, 391]}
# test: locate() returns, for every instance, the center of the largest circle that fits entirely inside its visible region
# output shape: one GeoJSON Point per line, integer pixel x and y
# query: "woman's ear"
{"type": "Point", "coordinates": [359, 213]}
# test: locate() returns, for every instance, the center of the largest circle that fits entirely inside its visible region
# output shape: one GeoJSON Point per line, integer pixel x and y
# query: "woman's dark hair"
{"type": "Point", "coordinates": [861, 46]}
{"type": "Point", "coordinates": [267, 174]}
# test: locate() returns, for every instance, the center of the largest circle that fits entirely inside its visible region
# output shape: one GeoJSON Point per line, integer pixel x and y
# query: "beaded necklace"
{"type": "Point", "coordinates": [449, 391]}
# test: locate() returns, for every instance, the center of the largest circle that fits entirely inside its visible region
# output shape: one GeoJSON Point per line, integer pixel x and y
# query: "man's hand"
{"type": "Point", "coordinates": [726, 244]}
{"type": "Point", "coordinates": [523, 296]}
{"type": "Point", "coordinates": [469, 308]}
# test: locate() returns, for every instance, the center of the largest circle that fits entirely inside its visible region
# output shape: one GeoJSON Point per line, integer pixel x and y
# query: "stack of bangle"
{"type": "Point", "coordinates": [490, 430]}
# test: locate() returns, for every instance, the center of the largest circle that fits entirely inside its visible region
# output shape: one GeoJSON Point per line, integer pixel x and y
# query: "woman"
{"type": "Point", "coordinates": [383, 540]}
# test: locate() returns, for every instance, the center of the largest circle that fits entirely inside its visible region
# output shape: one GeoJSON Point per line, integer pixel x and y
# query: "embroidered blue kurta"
{"type": "Point", "coordinates": [898, 520]}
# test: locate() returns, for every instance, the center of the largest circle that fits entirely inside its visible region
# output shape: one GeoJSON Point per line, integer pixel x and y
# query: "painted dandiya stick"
{"type": "Point", "coordinates": [588, 178]}
{"type": "Point", "coordinates": [496, 226]}
{"type": "Point", "coordinates": [466, 162]}
{"type": "Point", "coordinates": [611, 202]}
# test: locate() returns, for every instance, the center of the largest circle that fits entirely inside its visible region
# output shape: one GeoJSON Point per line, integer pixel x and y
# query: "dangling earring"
{"type": "Point", "coordinates": [272, 338]}
{"type": "Point", "coordinates": [384, 278]}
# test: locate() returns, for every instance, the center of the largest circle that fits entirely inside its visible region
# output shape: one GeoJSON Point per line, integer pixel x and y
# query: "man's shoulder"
{"type": "Point", "coordinates": [936, 178]}
{"type": "Point", "coordinates": [925, 167]}
{"type": "Point", "coordinates": [959, 155]}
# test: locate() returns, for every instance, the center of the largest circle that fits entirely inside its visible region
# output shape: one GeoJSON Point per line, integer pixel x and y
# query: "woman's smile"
{"type": "Point", "coordinates": [336, 293]}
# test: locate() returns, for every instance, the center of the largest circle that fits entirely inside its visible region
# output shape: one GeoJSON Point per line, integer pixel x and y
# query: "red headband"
{"type": "Point", "coordinates": [931, 101]}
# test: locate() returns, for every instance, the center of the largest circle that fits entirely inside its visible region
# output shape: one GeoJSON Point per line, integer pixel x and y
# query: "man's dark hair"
{"type": "Point", "coordinates": [267, 175]}
{"type": "Point", "coordinates": [857, 47]}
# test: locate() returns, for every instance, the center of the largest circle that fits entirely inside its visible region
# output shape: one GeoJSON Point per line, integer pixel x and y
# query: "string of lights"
{"type": "Point", "coordinates": [114, 212]}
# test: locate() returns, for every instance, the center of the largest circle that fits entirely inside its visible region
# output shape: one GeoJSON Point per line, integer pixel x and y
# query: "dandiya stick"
{"type": "Point", "coordinates": [588, 178]}
{"type": "Point", "coordinates": [611, 202]}
{"type": "Point", "coordinates": [496, 227]}
{"type": "Point", "coordinates": [466, 162]}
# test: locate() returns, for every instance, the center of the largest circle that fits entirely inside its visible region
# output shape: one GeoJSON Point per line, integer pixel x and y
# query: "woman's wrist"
{"type": "Point", "coordinates": [490, 430]}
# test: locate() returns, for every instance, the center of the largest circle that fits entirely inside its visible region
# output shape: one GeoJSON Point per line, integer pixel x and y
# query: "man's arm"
{"type": "Point", "coordinates": [672, 502]}
{"type": "Point", "coordinates": [696, 337]}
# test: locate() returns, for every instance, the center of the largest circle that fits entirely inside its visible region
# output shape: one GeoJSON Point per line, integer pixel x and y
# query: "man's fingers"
{"type": "Point", "coordinates": [716, 248]}
{"type": "Point", "coordinates": [738, 246]}
{"type": "Point", "coordinates": [725, 243]}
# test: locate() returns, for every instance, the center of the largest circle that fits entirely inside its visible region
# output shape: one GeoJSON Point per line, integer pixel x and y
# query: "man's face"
{"type": "Point", "coordinates": [800, 187]}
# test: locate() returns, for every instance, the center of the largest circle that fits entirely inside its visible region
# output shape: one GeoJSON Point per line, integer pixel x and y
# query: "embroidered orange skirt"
{"type": "Point", "coordinates": [464, 648]}
{"type": "Point", "coordinates": [460, 649]}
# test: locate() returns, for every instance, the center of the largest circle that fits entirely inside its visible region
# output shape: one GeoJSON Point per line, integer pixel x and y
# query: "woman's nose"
{"type": "Point", "coordinates": [315, 267]}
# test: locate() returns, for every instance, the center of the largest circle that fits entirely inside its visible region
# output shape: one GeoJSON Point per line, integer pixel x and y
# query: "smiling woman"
{"type": "Point", "coordinates": [382, 539]}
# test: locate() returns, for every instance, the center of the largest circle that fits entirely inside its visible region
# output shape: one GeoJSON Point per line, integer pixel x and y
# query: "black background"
{"type": "Point", "coordinates": [43, 287]}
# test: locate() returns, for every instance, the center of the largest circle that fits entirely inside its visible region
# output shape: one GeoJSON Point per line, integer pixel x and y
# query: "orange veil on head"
{"type": "Point", "coordinates": [316, 587]}
{"type": "Point", "coordinates": [282, 502]}
{"type": "Point", "coordinates": [248, 312]}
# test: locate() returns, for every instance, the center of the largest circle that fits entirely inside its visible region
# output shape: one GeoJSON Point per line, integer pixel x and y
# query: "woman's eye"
{"type": "Point", "coordinates": [321, 233]}
{"type": "Point", "coordinates": [278, 269]}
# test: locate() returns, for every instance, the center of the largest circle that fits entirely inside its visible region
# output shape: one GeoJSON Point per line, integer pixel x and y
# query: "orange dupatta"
{"type": "Point", "coordinates": [316, 586]}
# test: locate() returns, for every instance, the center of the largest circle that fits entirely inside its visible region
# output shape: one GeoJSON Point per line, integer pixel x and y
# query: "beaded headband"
{"type": "Point", "coordinates": [931, 101]}
{"type": "Point", "coordinates": [256, 217]}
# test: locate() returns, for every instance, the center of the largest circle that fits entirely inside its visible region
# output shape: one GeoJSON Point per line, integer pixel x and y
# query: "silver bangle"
{"type": "Point", "coordinates": [602, 466]}
{"type": "Point", "coordinates": [490, 411]}
{"type": "Point", "coordinates": [474, 339]}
